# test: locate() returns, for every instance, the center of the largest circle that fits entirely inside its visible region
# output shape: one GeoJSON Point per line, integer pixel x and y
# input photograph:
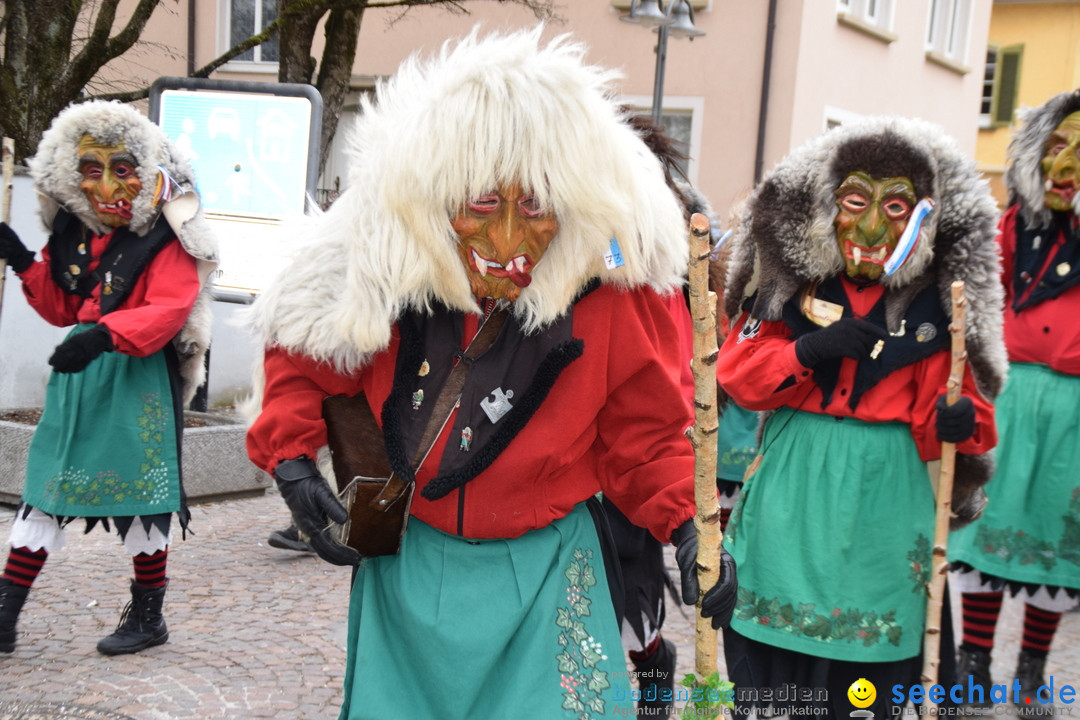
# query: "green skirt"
{"type": "Point", "coordinates": [832, 537]}
{"type": "Point", "coordinates": [1030, 531]}
{"type": "Point", "coordinates": [106, 444]}
{"type": "Point", "coordinates": [736, 442]}
{"type": "Point", "coordinates": [456, 628]}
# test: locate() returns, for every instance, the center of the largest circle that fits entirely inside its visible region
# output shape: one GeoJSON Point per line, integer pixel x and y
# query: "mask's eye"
{"type": "Point", "coordinates": [124, 170]}
{"type": "Point", "coordinates": [853, 202]}
{"type": "Point", "coordinates": [1055, 148]}
{"type": "Point", "coordinates": [530, 207]}
{"type": "Point", "coordinates": [896, 208]}
{"type": "Point", "coordinates": [485, 204]}
{"type": "Point", "coordinates": [91, 171]}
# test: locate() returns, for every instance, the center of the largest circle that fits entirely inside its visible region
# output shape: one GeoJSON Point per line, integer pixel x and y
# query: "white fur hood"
{"type": "Point", "coordinates": [485, 111]}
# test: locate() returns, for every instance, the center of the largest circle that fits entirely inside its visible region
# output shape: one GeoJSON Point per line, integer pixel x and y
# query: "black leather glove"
{"type": "Point", "coordinates": [719, 601]}
{"type": "Point", "coordinates": [12, 250]}
{"type": "Point", "coordinates": [955, 423]}
{"type": "Point", "coordinates": [78, 351]}
{"type": "Point", "coordinates": [848, 337]}
{"type": "Point", "coordinates": [313, 505]}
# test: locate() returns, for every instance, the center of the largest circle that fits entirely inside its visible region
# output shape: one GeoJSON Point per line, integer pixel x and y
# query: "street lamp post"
{"type": "Point", "coordinates": [677, 20]}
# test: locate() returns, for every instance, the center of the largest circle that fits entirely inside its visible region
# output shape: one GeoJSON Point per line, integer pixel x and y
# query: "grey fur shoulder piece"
{"type": "Point", "coordinates": [1024, 176]}
{"type": "Point", "coordinates": [55, 171]}
{"type": "Point", "coordinates": [785, 236]}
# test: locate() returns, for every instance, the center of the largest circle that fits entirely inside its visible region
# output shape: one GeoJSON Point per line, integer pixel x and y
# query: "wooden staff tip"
{"type": "Point", "coordinates": [699, 224]}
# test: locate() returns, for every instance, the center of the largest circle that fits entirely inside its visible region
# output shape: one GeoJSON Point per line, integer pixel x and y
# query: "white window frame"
{"type": "Point", "coordinates": [258, 65]}
{"type": "Point", "coordinates": [876, 13]}
{"type": "Point", "coordinates": [948, 31]}
{"type": "Point", "coordinates": [681, 105]}
{"type": "Point", "coordinates": [993, 57]}
{"type": "Point", "coordinates": [1003, 97]}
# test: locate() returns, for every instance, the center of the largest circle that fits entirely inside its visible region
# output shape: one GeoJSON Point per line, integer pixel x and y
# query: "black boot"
{"type": "Point", "coordinates": [141, 624]}
{"type": "Point", "coordinates": [976, 665]}
{"type": "Point", "coordinates": [656, 678]}
{"type": "Point", "coordinates": [12, 597]}
{"type": "Point", "coordinates": [1029, 671]}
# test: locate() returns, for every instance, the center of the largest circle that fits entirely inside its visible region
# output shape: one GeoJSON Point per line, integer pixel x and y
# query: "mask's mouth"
{"type": "Point", "coordinates": [860, 255]}
{"type": "Point", "coordinates": [518, 269]}
{"type": "Point", "coordinates": [121, 208]}
{"type": "Point", "coordinates": [1065, 190]}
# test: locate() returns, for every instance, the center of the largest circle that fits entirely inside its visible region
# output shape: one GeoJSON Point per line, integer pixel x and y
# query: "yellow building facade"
{"type": "Point", "coordinates": [1033, 53]}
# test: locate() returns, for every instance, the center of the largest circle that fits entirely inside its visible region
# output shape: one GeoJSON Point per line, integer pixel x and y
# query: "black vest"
{"type": "Point", "coordinates": [120, 266]}
{"type": "Point", "coordinates": [925, 332]}
{"type": "Point", "coordinates": [1033, 247]}
{"type": "Point", "coordinates": [518, 368]}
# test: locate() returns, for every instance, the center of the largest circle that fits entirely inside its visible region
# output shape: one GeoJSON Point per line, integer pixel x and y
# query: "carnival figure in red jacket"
{"type": "Point", "coordinates": [126, 264]}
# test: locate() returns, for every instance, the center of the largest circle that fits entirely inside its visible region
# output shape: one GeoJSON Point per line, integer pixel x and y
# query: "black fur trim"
{"type": "Point", "coordinates": [124, 260]}
{"type": "Point", "coordinates": [883, 156]}
{"type": "Point", "coordinates": [546, 375]}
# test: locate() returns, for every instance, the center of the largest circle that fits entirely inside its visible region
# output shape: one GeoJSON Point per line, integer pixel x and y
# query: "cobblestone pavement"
{"type": "Point", "coordinates": [255, 632]}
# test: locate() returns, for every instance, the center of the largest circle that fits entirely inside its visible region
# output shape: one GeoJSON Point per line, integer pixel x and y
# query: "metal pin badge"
{"type": "Point", "coordinates": [466, 439]}
{"type": "Point", "coordinates": [498, 407]}
{"type": "Point", "coordinates": [417, 399]}
{"type": "Point", "coordinates": [878, 347]}
{"type": "Point", "coordinates": [425, 368]}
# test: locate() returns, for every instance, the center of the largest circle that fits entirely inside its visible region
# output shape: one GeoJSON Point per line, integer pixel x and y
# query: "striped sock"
{"type": "Point", "coordinates": [150, 569]}
{"type": "Point", "coordinates": [1039, 629]}
{"type": "Point", "coordinates": [23, 565]}
{"type": "Point", "coordinates": [980, 613]}
{"type": "Point", "coordinates": [725, 515]}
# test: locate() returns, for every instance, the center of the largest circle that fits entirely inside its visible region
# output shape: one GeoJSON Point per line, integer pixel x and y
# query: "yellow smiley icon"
{"type": "Point", "coordinates": [862, 693]}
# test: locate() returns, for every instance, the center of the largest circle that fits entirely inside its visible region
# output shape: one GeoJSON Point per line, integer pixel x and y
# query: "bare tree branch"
{"type": "Point", "coordinates": [53, 51]}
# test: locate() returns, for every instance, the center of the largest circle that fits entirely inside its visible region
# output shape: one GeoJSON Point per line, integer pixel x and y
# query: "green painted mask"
{"type": "Point", "coordinates": [871, 216]}
{"type": "Point", "coordinates": [1061, 164]}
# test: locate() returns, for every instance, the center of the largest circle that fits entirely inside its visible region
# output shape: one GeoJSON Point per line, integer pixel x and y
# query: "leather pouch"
{"type": "Point", "coordinates": [377, 500]}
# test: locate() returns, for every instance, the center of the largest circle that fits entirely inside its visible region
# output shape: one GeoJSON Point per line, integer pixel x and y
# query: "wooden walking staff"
{"type": "Point", "coordinates": [703, 438]}
{"type": "Point", "coordinates": [8, 160]}
{"type": "Point", "coordinates": [939, 563]}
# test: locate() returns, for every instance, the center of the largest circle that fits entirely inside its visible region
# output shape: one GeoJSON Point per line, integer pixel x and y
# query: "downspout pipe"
{"type": "Point", "coordinates": [191, 38]}
{"type": "Point", "coordinates": [763, 112]}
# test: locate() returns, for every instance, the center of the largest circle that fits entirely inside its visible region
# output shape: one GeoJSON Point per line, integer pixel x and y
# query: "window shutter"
{"type": "Point", "coordinates": [1008, 83]}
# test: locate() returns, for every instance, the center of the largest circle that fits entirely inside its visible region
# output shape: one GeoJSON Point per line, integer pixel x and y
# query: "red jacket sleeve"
{"type": "Point", "coordinates": [761, 372]}
{"type": "Point", "coordinates": [291, 423]}
{"type": "Point", "coordinates": [933, 375]}
{"type": "Point", "coordinates": [54, 305]}
{"type": "Point", "coordinates": [158, 307]}
{"type": "Point", "coordinates": [647, 465]}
